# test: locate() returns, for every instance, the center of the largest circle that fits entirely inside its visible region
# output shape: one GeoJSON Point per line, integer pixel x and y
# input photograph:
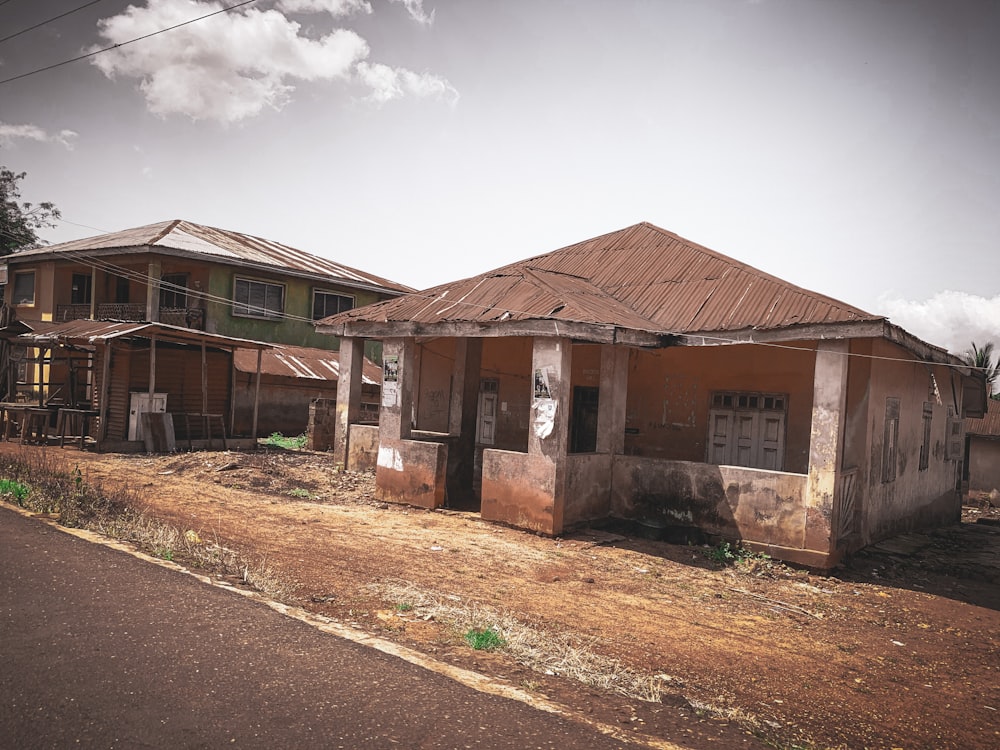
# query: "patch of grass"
{"type": "Point", "coordinates": [13, 489]}
{"type": "Point", "coordinates": [277, 440]}
{"type": "Point", "coordinates": [484, 639]}
{"type": "Point", "coordinates": [299, 492]}
{"type": "Point", "coordinates": [404, 607]}
{"type": "Point", "coordinates": [739, 556]}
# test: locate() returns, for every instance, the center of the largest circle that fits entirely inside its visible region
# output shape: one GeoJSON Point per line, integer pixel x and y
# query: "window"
{"type": "Point", "coordinates": [173, 291]}
{"type": "Point", "coordinates": [747, 429]}
{"type": "Point", "coordinates": [890, 438]}
{"type": "Point", "coordinates": [24, 288]}
{"type": "Point", "coordinates": [328, 303]}
{"type": "Point", "coordinates": [925, 445]}
{"type": "Point", "coordinates": [80, 292]}
{"type": "Point", "coordinates": [258, 299]}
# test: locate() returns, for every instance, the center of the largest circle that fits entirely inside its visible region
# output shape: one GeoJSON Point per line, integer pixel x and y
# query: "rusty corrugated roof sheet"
{"type": "Point", "coordinates": [987, 426]}
{"type": "Point", "coordinates": [641, 277]}
{"type": "Point", "coordinates": [302, 362]}
{"type": "Point", "coordinates": [89, 332]}
{"type": "Point", "coordinates": [220, 245]}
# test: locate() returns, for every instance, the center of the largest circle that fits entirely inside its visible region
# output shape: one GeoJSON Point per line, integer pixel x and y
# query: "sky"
{"type": "Point", "coordinates": [851, 147]}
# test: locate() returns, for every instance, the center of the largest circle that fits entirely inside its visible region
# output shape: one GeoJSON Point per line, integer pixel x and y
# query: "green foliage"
{"type": "Point", "coordinates": [981, 357]}
{"type": "Point", "coordinates": [13, 489]}
{"type": "Point", "coordinates": [484, 639]}
{"type": "Point", "coordinates": [278, 440]}
{"type": "Point", "coordinates": [299, 492]}
{"type": "Point", "coordinates": [404, 607]}
{"type": "Point", "coordinates": [19, 220]}
{"type": "Point", "coordinates": [725, 553]}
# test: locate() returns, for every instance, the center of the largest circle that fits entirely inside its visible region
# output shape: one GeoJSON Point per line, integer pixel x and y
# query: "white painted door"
{"type": "Point", "coordinates": [487, 422]}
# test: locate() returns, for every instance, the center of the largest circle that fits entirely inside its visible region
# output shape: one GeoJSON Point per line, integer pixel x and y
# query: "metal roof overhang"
{"type": "Point", "coordinates": [79, 256]}
{"type": "Point", "coordinates": [586, 332]}
{"type": "Point", "coordinates": [95, 332]}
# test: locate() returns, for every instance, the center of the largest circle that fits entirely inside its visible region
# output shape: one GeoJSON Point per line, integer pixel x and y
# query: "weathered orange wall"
{"type": "Point", "coordinates": [362, 452]}
{"type": "Point", "coordinates": [669, 392]}
{"type": "Point", "coordinates": [518, 489]}
{"type": "Point", "coordinates": [915, 498]}
{"type": "Point", "coordinates": [412, 472]}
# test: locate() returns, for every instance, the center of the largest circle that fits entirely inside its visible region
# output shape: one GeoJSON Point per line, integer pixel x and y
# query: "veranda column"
{"type": "Point", "coordinates": [153, 292]}
{"type": "Point", "coordinates": [611, 406]}
{"type": "Point", "coordinates": [349, 381]}
{"type": "Point", "coordinates": [825, 444]}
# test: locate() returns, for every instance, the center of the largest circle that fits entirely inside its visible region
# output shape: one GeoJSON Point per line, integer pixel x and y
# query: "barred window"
{"type": "Point", "coordinates": [258, 299]}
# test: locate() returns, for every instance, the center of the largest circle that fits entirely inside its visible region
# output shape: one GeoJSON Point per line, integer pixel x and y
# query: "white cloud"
{"type": "Point", "coordinates": [389, 83]}
{"type": "Point", "coordinates": [231, 66]}
{"type": "Point", "coordinates": [416, 10]}
{"type": "Point", "coordinates": [11, 133]}
{"type": "Point", "coordinates": [949, 319]}
{"type": "Point", "coordinates": [335, 8]}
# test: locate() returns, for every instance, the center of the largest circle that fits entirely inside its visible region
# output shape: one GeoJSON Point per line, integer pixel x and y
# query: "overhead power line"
{"type": "Point", "coordinates": [130, 41]}
{"type": "Point", "coordinates": [54, 18]}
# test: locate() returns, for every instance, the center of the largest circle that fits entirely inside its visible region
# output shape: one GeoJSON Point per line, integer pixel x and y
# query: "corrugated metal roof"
{"type": "Point", "coordinates": [89, 332]}
{"type": "Point", "coordinates": [987, 426]}
{"type": "Point", "coordinates": [302, 362]}
{"type": "Point", "coordinates": [222, 245]}
{"type": "Point", "coordinates": [641, 277]}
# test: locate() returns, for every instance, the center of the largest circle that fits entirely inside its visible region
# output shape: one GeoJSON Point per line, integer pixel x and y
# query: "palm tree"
{"type": "Point", "coordinates": [982, 359]}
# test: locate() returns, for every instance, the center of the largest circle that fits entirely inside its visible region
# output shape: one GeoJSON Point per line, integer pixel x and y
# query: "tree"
{"type": "Point", "coordinates": [19, 220]}
{"type": "Point", "coordinates": [982, 359]}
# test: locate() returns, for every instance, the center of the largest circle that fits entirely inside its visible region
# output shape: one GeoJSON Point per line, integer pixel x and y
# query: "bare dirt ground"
{"type": "Point", "coordinates": [900, 648]}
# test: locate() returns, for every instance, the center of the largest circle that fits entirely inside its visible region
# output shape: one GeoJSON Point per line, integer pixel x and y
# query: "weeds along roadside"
{"type": "Point", "coordinates": [37, 483]}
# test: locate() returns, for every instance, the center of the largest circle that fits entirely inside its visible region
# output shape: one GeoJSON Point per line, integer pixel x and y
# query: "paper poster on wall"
{"type": "Point", "coordinates": [544, 418]}
{"type": "Point", "coordinates": [542, 388]}
{"type": "Point", "coordinates": [390, 381]}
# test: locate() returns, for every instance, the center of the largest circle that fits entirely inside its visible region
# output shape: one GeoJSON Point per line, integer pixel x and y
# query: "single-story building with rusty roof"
{"type": "Point", "coordinates": [641, 376]}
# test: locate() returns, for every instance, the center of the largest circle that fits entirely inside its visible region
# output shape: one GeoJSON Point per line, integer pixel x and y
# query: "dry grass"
{"type": "Point", "coordinates": [539, 650]}
{"type": "Point", "coordinates": [117, 513]}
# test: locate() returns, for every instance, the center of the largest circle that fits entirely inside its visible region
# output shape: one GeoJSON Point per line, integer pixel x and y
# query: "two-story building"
{"type": "Point", "coordinates": [224, 284]}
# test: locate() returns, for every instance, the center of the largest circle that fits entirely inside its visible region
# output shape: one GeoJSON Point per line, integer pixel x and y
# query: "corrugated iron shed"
{"type": "Point", "coordinates": [302, 362]}
{"type": "Point", "coordinates": [219, 245]}
{"type": "Point", "coordinates": [641, 277]}
{"type": "Point", "coordinates": [987, 426]}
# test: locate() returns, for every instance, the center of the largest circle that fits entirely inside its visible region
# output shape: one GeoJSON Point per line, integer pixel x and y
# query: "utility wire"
{"type": "Point", "coordinates": [54, 18]}
{"type": "Point", "coordinates": [130, 41]}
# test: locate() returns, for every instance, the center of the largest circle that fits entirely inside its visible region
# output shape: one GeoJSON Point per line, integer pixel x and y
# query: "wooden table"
{"type": "Point", "coordinates": [71, 422]}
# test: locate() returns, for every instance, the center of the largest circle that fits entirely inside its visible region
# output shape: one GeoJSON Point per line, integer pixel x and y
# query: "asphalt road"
{"type": "Point", "coordinates": [100, 649]}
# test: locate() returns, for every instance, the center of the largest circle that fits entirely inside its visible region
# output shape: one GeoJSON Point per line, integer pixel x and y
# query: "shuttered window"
{"type": "Point", "coordinates": [258, 299]}
{"type": "Point", "coordinates": [747, 429]}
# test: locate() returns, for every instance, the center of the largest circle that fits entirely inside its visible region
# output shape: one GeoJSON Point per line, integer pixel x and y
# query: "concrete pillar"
{"type": "Point", "coordinates": [825, 444]}
{"type": "Point", "coordinates": [153, 291]}
{"type": "Point", "coordinates": [611, 407]}
{"type": "Point", "coordinates": [551, 368]}
{"type": "Point", "coordinates": [349, 382]}
{"type": "Point", "coordinates": [396, 410]}
{"type": "Point", "coordinates": [462, 414]}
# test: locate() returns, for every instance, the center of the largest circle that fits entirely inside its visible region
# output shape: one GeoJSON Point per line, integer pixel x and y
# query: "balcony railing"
{"type": "Point", "coordinates": [132, 313]}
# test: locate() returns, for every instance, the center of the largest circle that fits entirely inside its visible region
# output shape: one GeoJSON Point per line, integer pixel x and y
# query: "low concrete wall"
{"type": "Point", "coordinates": [362, 447]}
{"type": "Point", "coordinates": [412, 472]}
{"type": "Point", "coordinates": [519, 489]}
{"type": "Point", "coordinates": [588, 487]}
{"type": "Point", "coordinates": [764, 507]}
